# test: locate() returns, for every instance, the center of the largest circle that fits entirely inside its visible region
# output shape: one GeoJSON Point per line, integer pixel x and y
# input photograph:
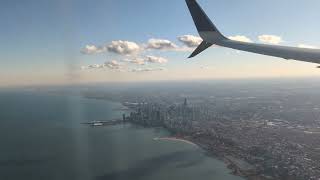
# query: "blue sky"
{"type": "Point", "coordinates": [42, 40]}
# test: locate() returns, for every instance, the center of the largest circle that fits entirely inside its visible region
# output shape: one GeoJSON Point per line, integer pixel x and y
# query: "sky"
{"type": "Point", "coordinates": [78, 41]}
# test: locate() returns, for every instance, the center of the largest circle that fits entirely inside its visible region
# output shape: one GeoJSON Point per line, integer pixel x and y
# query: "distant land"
{"type": "Point", "coordinates": [262, 130]}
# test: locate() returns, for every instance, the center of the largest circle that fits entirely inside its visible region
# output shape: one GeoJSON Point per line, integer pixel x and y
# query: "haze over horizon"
{"type": "Point", "coordinates": [62, 42]}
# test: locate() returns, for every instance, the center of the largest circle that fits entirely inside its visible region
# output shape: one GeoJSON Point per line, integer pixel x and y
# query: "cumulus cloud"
{"type": "Point", "coordinates": [136, 60]}
{"type": "Point", "coordinates": [190, 40]}
{"type": "Point", "coordinates": [240, 38]}
{"type": "Point", "coordinates": [307, 46]}
{"type": "Point", "coordinates": [92, 49]}
{"type": "Point", "coordinates": [146, 59]}
{"type": "Point", "coordinates": [109, 64]}
{"type": "Point", "coordinates": [270, 39]}
{"type": "Point", "coordinates": [128, 48]}
{"type": "Point", "coordinates": [93, 66]}
{"type": "Point", "coordinates": [124, 47]}
{"type": "Point", "coordinates": [155, 59]}
{"type": "Point", "coordinates": [161, 44]}
{"type": "Point", "coordinates": [113, 64]}
{"type": "Point", "coordinates": [118, 47]}
{"type": "Point", "coordinates": [146, 69]}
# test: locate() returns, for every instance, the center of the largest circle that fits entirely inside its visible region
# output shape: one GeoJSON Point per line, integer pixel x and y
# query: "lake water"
{"type": "Point", "coordinates": [41, 138]}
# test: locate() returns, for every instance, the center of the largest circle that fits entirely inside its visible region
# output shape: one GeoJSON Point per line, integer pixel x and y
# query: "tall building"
{"type": "Point", "coordinates": [124, 117]}
{"type": "Point", "coordinates": [185, 102]}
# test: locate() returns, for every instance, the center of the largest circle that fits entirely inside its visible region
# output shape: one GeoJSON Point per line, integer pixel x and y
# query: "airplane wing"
{"type": "Point", "coordinates": [211, 35]}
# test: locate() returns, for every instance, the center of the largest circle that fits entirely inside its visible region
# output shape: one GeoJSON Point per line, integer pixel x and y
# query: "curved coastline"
{"type": "Point", "coordinates": [175, 139]}
{"type": "Point", "coordinates": [230, 161]}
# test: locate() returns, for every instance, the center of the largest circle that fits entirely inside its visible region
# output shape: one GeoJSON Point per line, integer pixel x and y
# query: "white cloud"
{"type": "Point", "coordinates": [129, 48]}
{"type": "Point", "coordinates": [161, 44]}
{"type": "Point", "coordinates": [92, 49]}
{"type": "Point", "coordinates": [93, 66]}
{"type": "Point", "coordinates": [116, 66]}
{"type": "Point", "coordinates": [124, 47]}
{"type": "Point", "coordinates": [113, 64]}
{"type": "Point", "coordinates": [270, 39]}
{"type": "Point", "coordinates": [206, 67]}
{"type": "Point", "coordinates": [110, 64]}
{"type": "Point", "coordinates": [190, 40]}
{"type": "Point", "coordinates": [240, 38]}
{"type": "Point", "coordinates": [136, 60]}
{"type": "Point", "coordinates": [146, 69]}
{"type": "Point", "coordinates": [155, 59]}
{"type": "Point", "coordinates": [307, 46]}
{"type": "Point", "coordinates": [146, 59]}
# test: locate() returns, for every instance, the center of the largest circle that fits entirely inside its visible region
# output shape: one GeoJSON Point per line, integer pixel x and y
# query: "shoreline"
{"type": "Point", "coordinates": [174, 139]}
{"type": "Point", "coordinates": [229, 161]}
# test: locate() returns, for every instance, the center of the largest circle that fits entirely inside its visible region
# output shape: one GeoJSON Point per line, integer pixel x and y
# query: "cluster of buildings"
{"type": "Point", "coordinates": [274, 150]}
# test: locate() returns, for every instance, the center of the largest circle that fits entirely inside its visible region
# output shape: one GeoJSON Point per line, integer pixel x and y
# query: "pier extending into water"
{"type": "Point", "coordinates": [105, 123]}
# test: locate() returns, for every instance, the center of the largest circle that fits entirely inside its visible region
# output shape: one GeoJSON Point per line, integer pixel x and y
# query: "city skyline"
{"type": "Point", "coordinates": [59, 42]}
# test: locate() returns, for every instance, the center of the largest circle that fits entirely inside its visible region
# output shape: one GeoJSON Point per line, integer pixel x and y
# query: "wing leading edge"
{"type": "Point", "coordinates": [211, 35]}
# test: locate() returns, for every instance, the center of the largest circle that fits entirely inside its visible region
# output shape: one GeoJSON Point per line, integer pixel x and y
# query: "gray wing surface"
{"type": "Point", "coordinates": [285, 52]}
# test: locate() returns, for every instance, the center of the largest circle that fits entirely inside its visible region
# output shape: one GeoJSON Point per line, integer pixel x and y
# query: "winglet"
{"type": "Point", "coordinates": [203, 46]}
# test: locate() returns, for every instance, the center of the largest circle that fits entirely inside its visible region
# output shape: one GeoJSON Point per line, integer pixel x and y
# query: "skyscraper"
{"type": "Point", "coordinates": [185, 102]}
